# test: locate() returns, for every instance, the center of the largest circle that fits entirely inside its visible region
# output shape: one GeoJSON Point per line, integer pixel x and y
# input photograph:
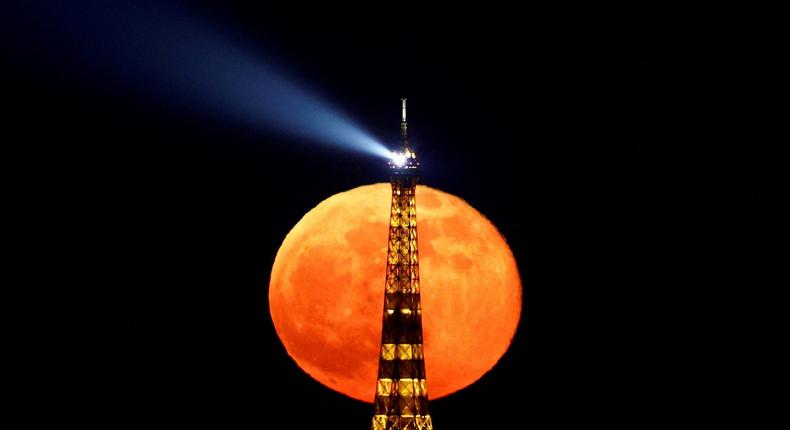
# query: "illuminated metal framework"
{"type": "Point", "coordinates": [401, 401]}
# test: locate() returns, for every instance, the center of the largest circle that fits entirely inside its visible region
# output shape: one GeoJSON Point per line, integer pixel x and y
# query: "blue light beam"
{"type": "Point", "coordinates": [166, 53]}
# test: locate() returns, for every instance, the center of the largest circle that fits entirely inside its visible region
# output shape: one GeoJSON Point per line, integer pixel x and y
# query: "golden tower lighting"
{"type": "Point", "coordinates": [401, 400]}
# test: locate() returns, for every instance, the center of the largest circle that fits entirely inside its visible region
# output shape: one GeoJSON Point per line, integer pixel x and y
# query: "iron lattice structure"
{"type": "Point", "coordinates": [401, 401]}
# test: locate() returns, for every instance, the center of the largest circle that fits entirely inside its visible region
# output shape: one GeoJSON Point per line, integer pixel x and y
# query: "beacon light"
{"type": "Point", "coordinates": [399, 158]}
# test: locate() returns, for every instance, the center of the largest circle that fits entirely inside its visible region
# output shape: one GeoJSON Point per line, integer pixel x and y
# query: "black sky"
{"type": "Point", "coordinates": [607, 143]}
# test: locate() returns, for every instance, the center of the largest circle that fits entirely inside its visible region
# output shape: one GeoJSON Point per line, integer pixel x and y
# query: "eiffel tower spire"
{"type": "Point", "coordinates": [401, 401]}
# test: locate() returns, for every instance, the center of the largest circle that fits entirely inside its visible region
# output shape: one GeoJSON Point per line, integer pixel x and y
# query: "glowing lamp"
{"type": "Point", "coordinates": [399, 159]}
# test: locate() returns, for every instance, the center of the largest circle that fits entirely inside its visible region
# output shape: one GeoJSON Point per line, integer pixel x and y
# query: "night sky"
{"type": "Point", "coordinates": [605, 143]}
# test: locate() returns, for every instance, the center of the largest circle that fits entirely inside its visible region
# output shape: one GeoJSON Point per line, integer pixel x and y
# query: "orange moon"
{"type": "Point", "coordinates": [326, 294]}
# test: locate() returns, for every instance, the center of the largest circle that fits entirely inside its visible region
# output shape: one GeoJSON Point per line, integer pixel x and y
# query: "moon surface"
{"type": "Point", "coordinates": [326, 294]}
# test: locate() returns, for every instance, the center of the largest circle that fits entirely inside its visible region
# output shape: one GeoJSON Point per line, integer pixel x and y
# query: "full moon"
{"type": "Point", "coordinates": [326, 294]}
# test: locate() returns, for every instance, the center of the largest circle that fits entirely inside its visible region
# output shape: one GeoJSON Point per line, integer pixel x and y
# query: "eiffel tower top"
{"type": "Point", "coordinates": [405, 160]}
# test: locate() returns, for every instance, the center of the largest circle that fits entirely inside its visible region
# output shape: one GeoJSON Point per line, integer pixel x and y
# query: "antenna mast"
{"type": "Point", "coordinates": [404, 128]}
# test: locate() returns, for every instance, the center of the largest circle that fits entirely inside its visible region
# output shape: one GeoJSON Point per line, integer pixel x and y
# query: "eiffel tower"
{"type": "Point", "coordinates": [401, 401]}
